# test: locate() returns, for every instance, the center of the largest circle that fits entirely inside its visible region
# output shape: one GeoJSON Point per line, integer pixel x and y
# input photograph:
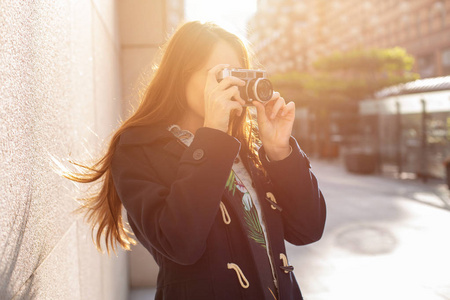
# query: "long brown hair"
{"type": "Point", "coordinates": [163, 102]}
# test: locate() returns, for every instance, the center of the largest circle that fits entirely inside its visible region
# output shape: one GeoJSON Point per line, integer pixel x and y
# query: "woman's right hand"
{"type": "Point", "coordinates": [221, 98]}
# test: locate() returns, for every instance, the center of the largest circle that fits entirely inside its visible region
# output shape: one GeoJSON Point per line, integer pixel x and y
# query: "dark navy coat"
{"type": "Point", "coordinates": [173, 193]}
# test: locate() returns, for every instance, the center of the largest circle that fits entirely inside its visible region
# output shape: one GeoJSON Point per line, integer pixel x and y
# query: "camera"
{"type": "Point", "coordinates": [257, 86]}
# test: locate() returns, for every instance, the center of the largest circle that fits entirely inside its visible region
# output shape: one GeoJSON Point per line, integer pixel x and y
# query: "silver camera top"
{"type": "Point", "coordinates": [242, 73]}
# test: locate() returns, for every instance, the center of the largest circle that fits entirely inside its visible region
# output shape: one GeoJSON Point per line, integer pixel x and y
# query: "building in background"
{"type": "Point", "coordinates": [290, 35]}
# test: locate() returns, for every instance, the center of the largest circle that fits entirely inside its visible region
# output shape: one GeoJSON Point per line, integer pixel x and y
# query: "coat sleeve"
{"type": "Point", "coordinates": [298, 193]}
{"type": "Point", "coordinates": [176, 220]}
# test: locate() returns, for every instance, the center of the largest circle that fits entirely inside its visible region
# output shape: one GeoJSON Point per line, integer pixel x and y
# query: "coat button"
{"type": "Point", "coordinates": [271, 197]}
{"type": "Point", "coordinates": [237, 160]}
{"type": "Point", "coordinates": [198, 154]}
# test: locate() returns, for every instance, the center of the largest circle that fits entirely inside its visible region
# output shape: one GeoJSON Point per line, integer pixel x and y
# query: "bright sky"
{"type": "Point", "coordinates": [230, 14]}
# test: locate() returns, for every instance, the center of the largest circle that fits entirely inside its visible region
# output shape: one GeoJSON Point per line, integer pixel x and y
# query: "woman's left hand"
{"type": "Point", "coordinates": [275, 122]}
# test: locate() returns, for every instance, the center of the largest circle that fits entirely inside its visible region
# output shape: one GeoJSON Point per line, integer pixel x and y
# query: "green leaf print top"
{"type": "Point", "coordinates": [251, 217]}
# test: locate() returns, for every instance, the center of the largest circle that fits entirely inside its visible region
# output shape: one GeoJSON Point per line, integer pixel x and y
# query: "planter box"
{"type": "Point", "coordinates": [361, 163]}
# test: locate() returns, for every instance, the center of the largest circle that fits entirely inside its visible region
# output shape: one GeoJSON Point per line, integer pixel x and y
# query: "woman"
{"type": "Point", "coordinates": [208, 193]}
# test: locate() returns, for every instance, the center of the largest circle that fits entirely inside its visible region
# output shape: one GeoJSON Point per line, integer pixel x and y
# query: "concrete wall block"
{"type": "Point", "coordinates": [81, 110]}
{"type": "Point", "coordinates": [107, 11]}
{"type": "Point", "coordinates": [33, 206]}
{"type": "Point", "coordinates": [143, 268]}
{"type": "Point", "coordinates": [136, 73]}
{"type": "Point", "coordinates": [107, 81]}
{"type": "Point", "coordinates": [141, 22]}
{"type": "Point", "coordinates": [115, 287]}
{"type": "Point", "coordinates": [89, 265]}
{"type": "Point", "coordinates": [60, 97]}
{"type": "Point", "coordinates": [63, 262]}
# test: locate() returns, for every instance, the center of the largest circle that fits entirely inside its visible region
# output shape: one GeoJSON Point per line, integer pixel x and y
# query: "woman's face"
{"type": "Point", "coordinates": [222, 53]}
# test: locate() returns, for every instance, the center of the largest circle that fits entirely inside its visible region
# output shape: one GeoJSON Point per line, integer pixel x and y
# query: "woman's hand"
{"type": "Point", "coordinates": [275, 122]}
{"type": "Point", "coordinates": [221, 98]}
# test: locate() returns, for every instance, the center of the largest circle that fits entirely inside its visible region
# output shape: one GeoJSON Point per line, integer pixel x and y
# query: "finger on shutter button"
{"type": "Point", "coordinates": [198, 154]}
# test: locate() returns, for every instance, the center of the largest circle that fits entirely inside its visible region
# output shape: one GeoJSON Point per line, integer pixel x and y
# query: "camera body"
{"type": "Point", "coordinates": [257, 86]}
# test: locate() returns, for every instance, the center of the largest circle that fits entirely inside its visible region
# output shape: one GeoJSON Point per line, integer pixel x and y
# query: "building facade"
{"type": "Point", "coordinates": [290, 35]}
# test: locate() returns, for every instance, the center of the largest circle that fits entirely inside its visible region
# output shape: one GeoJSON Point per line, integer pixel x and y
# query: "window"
{"type": "Point", "coordinates": [446, 61]}
{"type": "Point", "coordinates": [418, 26]}
{"type": "Point", "coordinates": [437, 16]}
{"type": "Point", "coordinates": [426, 66]}
{"type": "Point", "coordinates": [405, 28]}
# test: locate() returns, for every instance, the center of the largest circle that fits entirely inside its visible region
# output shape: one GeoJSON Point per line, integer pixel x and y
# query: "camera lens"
{"type": "Point", "coordinates": [263, 90]}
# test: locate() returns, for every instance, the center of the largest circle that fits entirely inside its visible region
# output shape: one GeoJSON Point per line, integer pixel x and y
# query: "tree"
{"type": "Point", "coordinates": [362, 72]}
{"type": "Point", "coordinates": [347, 76]}
{"type": "Point", "coordinates": [339, 81]}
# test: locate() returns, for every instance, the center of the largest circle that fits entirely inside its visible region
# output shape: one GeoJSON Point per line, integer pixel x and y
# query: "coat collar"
{"type": "Point", "coordinates": [145, 134]}
{"type": "Point", "coordinates": [151, 134]}
{"type": "Point", "coordinates": [158, 133]}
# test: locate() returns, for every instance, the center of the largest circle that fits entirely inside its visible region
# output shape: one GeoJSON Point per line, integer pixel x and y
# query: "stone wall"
{"type": "Point", "coordinates": [60, 96]}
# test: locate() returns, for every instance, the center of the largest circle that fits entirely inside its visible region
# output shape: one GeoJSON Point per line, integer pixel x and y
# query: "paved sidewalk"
{"type": "Point", "coordinates": [385, 238]}
{"type": "Point", "coordinates": [142, 294]}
